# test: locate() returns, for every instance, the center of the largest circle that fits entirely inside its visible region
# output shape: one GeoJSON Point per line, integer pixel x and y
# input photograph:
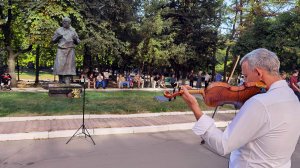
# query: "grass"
{"type": "Point", "coordinates": [109, 102]}
{"type": "Point", "coordinates": [30, 75]}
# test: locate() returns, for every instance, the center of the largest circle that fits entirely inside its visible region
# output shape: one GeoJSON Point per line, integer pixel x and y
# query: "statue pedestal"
{"type": "Point", "coordinates": [65, 90]}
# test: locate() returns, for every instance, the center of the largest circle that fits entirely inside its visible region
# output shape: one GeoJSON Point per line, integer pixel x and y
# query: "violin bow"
{"type": "Point", "coordinates": [233, 69]}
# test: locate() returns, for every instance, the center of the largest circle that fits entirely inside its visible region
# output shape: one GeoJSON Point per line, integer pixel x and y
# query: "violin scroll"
{"type": "Point", "coordinates": [170, 95]}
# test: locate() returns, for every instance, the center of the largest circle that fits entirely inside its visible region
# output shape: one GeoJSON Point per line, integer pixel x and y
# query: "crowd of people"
{"type": "Point", "coordinates": [95, 79]}
{"type": "Point", "coordinates": [129, 81]}
{"type": "Point", "coordinates": [202, 78]}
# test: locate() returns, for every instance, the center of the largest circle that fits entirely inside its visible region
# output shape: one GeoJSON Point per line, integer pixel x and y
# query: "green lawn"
{"type": "Point", "coordinates": [30, 75]}
{"type": "Point", "coordinates": [109, 102]}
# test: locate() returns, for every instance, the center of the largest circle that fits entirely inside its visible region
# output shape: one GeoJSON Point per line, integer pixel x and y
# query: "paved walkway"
{"type": "Point", "coordinates": [18, 128]}
{"type": "Point", "coordinates": [42, 127]}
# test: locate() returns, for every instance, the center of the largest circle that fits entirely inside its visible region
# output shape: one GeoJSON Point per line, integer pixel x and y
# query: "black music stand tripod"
{"type": "Point", "coordinates": [83, 128]}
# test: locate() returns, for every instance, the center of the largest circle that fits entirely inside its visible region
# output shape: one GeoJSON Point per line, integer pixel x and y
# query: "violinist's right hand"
{"type": "Point", "coordinates": [191, 101]}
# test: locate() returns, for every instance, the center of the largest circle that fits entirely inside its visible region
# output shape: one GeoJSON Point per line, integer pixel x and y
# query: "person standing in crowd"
{"type": "Point", "coordinates": [294, 83]}
{"type": "Point", "coordinates": [265, 131]}
{"type": "Point", "coordinates": [199, 80]}
{"type": "Point", "coordinates": [207, 78]}
{"type": "Point", "coordinates": [191, 78]}
{"type": "Point", "coordinates": [218, 77]}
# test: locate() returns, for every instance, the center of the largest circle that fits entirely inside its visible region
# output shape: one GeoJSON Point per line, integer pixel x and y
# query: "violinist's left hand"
{"type": "Point", "coordinates": [191, 101]}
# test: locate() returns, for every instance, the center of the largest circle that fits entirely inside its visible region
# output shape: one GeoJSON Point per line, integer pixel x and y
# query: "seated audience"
{"type": "Point", "coordinates": [162, 82]}
{"type": "Point", "coordinates": [139, 80]}
{"type": "Point", "coordinates": [6, 80]}
{"type": "Point", "coordinates": [130, 80]}
{"type": "Point", "coordinates": [122, 81]}
{"type": "Point", "coordinates": [92, 81]}
{"type": "Point", "coordinates": [156, 80]}
{"type": "Point", "coordinates": [99, 80]}
{"type": "Point", "coordinates": [105, 79]}
{"type": "Point", "coordinates": [173, 81]}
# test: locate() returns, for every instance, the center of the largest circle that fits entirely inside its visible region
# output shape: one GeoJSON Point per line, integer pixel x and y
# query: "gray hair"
{"type": "Point", "coordinates": [262, 58]}
{"type": "Point", "coordinates": [66, 19]}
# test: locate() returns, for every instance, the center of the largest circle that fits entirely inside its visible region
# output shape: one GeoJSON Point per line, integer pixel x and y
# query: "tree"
{"type": "Point", "coordinates": [237, 9]}
{"type": "Point", "coordinates": [196, 25]}
{"type": "Point", "coordinates": [107, 37]}
{"type": "Point", "coordinates": [11, 41]}
{"type": "Point", "coordinates": [277, 34]}
{"type": "Point", "coordinates": [153, 50]}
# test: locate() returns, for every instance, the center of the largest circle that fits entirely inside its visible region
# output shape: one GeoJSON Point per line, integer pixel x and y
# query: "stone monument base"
{"type": "Point", "coordinates": [65, 90]}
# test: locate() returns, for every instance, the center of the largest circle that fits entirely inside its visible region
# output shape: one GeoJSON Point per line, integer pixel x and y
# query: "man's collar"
{"type": "Point", "coordinates": [278, 84]}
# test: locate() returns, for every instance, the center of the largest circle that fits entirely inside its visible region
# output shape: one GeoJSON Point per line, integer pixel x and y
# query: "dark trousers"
{"type": "Point", "coordinates": [297, 94]}
{"type": "Point", "coordinates": [102, 83]}
{"type": "Point", "coordinates": [192, 83]}
{"type": "Point", "coordinates": [206, 83]}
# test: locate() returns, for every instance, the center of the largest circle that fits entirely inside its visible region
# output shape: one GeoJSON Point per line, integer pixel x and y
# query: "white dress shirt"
{"type": "Point", "coordinates": [263, 134]}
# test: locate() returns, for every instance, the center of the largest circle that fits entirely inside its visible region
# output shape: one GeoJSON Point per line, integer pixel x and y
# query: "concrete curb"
{"type": "Point", "coordinates": [102, 131]}
{"type": "Point", "coordinates": [89, 89]}
{"type": "Point", "coordinates": [92, 116]}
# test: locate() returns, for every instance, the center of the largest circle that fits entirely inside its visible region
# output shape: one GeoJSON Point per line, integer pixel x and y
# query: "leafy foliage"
{"type": "Point", "coordinates": [279, 35]}
{"type": "Point", "coordinates": [150, 35]}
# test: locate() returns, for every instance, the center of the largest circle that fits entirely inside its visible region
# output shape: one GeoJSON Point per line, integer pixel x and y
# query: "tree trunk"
{"type": "Point", "coordinates": [98, 63]}
{"type": "Point", "coordinates": [18, 68]}
{"type": "Point", "coordinates": [87, 57]}
{"type": "Point", "coordinates": [37, 65]}
{"type": "Point", "coordinates": [11, 67]}
{"type": "Point", "coordinates": [214, 63]}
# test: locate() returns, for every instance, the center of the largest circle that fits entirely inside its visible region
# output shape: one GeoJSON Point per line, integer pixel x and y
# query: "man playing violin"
{"type": "Point", "coordinates": [266, 130]}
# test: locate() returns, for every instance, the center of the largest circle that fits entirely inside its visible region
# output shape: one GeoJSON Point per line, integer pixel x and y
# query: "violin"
{"type": "Point", "coordinates": [220, 93]}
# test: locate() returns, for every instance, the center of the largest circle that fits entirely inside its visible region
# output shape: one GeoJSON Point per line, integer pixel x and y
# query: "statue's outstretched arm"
{"type": "Point", "coordinates": [56, 37]}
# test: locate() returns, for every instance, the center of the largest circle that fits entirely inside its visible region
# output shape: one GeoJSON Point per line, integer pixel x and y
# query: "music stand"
{"type": "Point", "coordinates": [83, 128]}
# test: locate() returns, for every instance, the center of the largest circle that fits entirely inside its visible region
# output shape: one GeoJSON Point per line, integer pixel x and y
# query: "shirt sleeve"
{"type": "Point", "coordinates": [250, 123]}
{"type": "Point", "coordinates": [203, 124]}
